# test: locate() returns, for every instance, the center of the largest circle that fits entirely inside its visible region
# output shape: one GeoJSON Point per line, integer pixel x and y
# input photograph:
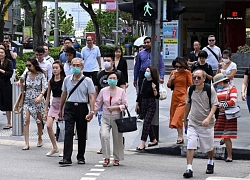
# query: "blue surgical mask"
{"type": "Point", "coordinates": [219, 87]}
{"type": "Point", "coordinates": [75, 70]}
{"type": "Point", "coordinates": [147, 74]}
{"type": "Point", "coordinates": [112, 82]}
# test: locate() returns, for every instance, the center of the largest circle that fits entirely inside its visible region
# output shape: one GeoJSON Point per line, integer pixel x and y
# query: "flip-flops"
{"type": "Point", "coordinates": [7, 127]}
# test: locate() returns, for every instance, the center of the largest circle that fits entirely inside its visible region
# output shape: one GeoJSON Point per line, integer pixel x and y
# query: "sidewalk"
{"type": "Point", "coordinates": [241, 146]}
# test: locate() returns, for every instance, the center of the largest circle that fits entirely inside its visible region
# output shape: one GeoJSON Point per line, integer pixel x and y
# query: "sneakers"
{"type": "Point", "coordinates": [210, 169]}
{"type": "Point", "coordinates": [188, 173]}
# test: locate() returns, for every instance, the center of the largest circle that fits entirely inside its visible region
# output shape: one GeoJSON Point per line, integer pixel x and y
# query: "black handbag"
{"type": "Point", "coordinates": [127, 124]}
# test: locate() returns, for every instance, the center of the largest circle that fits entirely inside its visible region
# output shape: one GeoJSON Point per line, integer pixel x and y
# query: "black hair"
{"type": "Point", "coordinates": [69, 39]}
{"type": "Point", "coordinates": [109, 55]}
{"type": "Point", "coordinates": [40, 49]}
{"type": "Point", "coordinates": [113, 72]}
{"type": "Point", "coordinates": [71, 50]}
{"type": "Point", "coordinates": [203, 54]}
{"type": "Point", "coordinates": [119, 48]}
{"type": "Point", "coordinates": [182, 61]}
{"type": "Point", "coordinates": [34, 62]}
{"type": "Point", "coordinates": [227, 52]}
{"type": "Point", "coordinates": [62, 73]}
{"type": "Point", "coordinates": [147, 38]}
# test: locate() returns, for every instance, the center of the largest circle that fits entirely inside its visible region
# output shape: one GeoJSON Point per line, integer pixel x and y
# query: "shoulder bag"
{"type": "Point", "coordinates": [232, 112]}
{"type": "Point", "coordinates": [74, 88]}
{"type": "Point", "coordinates": [19, 102]}
{"type": "Point", "coordinates": [213, 53]}
{"type": "Point", "coordinates": [127, 124]}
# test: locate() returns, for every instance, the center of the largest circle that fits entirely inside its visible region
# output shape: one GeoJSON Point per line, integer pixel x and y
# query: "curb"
{"type": "Point", "coordinates": [239, 153]}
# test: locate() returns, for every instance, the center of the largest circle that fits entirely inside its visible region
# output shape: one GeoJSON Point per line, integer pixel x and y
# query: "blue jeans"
{"type": "Point", "coordinates": [248, 103]}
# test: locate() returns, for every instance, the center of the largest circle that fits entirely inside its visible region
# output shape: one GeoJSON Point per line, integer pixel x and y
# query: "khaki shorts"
{"type": "Point", "coordinates": [204, 135]}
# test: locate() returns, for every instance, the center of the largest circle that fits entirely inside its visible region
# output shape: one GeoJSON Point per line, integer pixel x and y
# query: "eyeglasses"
{"type": "Point", "coordinates": [211, 40]}
{"type": "Point", "coordinates": [196, 77]}
{"type": "Point", "coordinates": [5, 41]}
{"type": "Point", "coordinates": [178, 67]}
{"type": "Point", "coordinates": [28, 65]}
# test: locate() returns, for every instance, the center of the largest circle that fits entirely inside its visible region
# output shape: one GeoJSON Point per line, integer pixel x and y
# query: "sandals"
{"type": "Point", "coordinates": [116, 163]}
{"type": "Point", "coordinates": [106, 162]}
{"type": "Point", "coordinates": [222, 142]}
{"type": "Point", "coordinates": [180, 141]}
{"type": "Point", "coordinates": [7, 127]}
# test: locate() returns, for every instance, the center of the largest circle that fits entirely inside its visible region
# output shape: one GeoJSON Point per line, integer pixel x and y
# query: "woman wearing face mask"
{"type": "Point", "coordinates": [227, 96]}
{"type": "Point", "coordinates": [227, 68]}
{"type": "Point", "coordinates": [54, 86]}
{"type": "Point", "coordinates": [113, 100]}
{"type": "Point", "coordinates": [149, 92]}
{"type": "Point", "coordinates": [121, 63]}
{"type": "Point", "coordinates": [34, 102]}
{"type": "Point", "coordinates": [179, 80]}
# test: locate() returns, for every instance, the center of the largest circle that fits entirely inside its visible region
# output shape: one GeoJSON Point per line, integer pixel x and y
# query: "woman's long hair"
{"type": "Point", "coordinates": [62, 73]}
{"type": "Point", "coordinates": [34, 62]}
{"type": "Point", "coordinates": [6, 59]}
{"type": "Point", "coordinates": [154, 73]}
{"type": "Point", "coordinates": [182, 61]}
{"type": "Point", "coordinates": [118, 48]}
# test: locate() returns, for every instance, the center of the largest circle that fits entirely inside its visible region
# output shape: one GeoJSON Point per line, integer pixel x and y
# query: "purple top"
{"type": "Point", "coordinates": [143, 61]}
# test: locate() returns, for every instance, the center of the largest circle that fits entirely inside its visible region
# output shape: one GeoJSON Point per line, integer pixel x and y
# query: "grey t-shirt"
{"type": "Point", "coordinates": [81, 93]}
{"type": "Point", "coordinates": [200, 107]}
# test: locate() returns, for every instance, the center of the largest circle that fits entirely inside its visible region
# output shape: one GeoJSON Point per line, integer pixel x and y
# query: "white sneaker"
{"type": "Point", "coordinates": [140, 120]}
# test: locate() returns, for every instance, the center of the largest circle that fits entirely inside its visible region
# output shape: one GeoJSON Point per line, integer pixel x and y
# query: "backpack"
{"type": "Point", "coordinates": [207, 88]}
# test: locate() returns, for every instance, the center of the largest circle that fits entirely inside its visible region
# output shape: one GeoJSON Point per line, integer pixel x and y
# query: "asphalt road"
{"type": "Point", "coordinates": [33, 164]}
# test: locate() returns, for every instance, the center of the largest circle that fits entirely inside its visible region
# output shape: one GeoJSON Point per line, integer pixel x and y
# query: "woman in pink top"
{"type": "Point", "coordinates": [113, 100]}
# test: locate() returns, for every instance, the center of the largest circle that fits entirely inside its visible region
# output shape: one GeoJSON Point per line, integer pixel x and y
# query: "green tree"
{"type": "Point", "coordinates": [89, 26]}
{"type": "Point", "coordinates": [35, 13]}
{"type": "Point", "coordinates": [87, 6]}
{"type": "Point", "coordinates": [4, 5]}
{"type": "Point", "coordinates": [65, 23]}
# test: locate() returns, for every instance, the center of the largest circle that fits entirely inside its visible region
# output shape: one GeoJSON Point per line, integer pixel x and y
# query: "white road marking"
{"type": "Point", "coordinates": [97, 169]}
{"type": "Point", "coordinates": [93, 174]}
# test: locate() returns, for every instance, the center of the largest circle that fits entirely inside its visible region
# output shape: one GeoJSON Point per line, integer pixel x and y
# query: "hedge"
{"type": "Point", "coordinates": [54, 52]}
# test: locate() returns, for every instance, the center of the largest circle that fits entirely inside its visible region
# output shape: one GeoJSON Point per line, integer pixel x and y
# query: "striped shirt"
{"type": "Point", "coordinates": [227, 96]}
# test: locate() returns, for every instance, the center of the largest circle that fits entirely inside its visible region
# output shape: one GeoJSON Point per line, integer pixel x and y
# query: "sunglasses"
{"type": "Point", "coordinates": [196, 77]}
{"type": "Point", "coordinates": [28, 65]}
{"type": "Point", "coordinates": [211, 40]}
{"type": "Point", "coordinates": [178, 67]}
{"type": "Point", "coordinates": [5, 41]}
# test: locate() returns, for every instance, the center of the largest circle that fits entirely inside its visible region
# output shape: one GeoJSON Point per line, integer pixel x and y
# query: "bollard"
{"type": "Point", "coordinates": [17, 119]}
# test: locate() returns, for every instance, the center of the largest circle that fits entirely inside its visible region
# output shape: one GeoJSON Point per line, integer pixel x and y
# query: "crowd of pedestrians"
{"type": "Point", "coordinates": [80, 88]}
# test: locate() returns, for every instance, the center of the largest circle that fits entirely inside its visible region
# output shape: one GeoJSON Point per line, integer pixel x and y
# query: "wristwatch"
{"type": "Point", "coordinates": [92, 112]}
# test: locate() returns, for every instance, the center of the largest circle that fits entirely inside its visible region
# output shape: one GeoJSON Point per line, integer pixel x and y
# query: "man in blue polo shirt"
{"type": "Point", "coordinates": [67, 43]}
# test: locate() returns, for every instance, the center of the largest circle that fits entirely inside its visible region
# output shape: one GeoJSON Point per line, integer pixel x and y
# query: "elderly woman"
{"type": "Point", "coordinates": [227, 97]}
{"type": "Point", "coordinates": [113, 100]}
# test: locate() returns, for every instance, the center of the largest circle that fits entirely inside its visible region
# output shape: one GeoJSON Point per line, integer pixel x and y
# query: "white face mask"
{"type": "Point", "coordinates": [107, 65]}
{"type": "Point", "coordinates": [225, 60]}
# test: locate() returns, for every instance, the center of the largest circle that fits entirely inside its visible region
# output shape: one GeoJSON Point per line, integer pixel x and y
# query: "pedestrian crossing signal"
{"type": "Point", "coordinates": [145, 10]}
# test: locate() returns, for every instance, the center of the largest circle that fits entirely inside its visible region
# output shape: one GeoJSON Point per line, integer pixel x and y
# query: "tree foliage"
{"type": "Point", "coordinates": [35, 15]}
{"type": "Point", "coordinates": [4, 5]}
{"type": "Point", "coordinates": [89, 26]}
{"type": "Point", "coordinates": [66, 25]}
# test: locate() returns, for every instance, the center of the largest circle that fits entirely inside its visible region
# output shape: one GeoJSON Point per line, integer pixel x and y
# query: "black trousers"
{"type": "Point", "coordinates": [75, 113]}
{"type": "Point", "coordinates": [139, 84]}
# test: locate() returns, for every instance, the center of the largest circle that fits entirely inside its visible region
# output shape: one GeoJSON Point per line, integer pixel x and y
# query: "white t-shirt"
{"type": "Point", "coordinates": [229, 69]}
{"type": "Point", "coordinates": [211, 60]}
{"type": "Point", "coordinates": [90, 58]}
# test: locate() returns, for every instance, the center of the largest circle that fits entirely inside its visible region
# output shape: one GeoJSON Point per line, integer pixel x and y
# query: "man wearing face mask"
{"type": "Point", "coordinates": [76, 110]}
{"type": "Point", "coordinates": [102, 81]}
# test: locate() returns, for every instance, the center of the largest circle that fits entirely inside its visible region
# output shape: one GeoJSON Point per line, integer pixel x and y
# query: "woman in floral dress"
{"type": "Point", "coordinates": [35, 85]}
